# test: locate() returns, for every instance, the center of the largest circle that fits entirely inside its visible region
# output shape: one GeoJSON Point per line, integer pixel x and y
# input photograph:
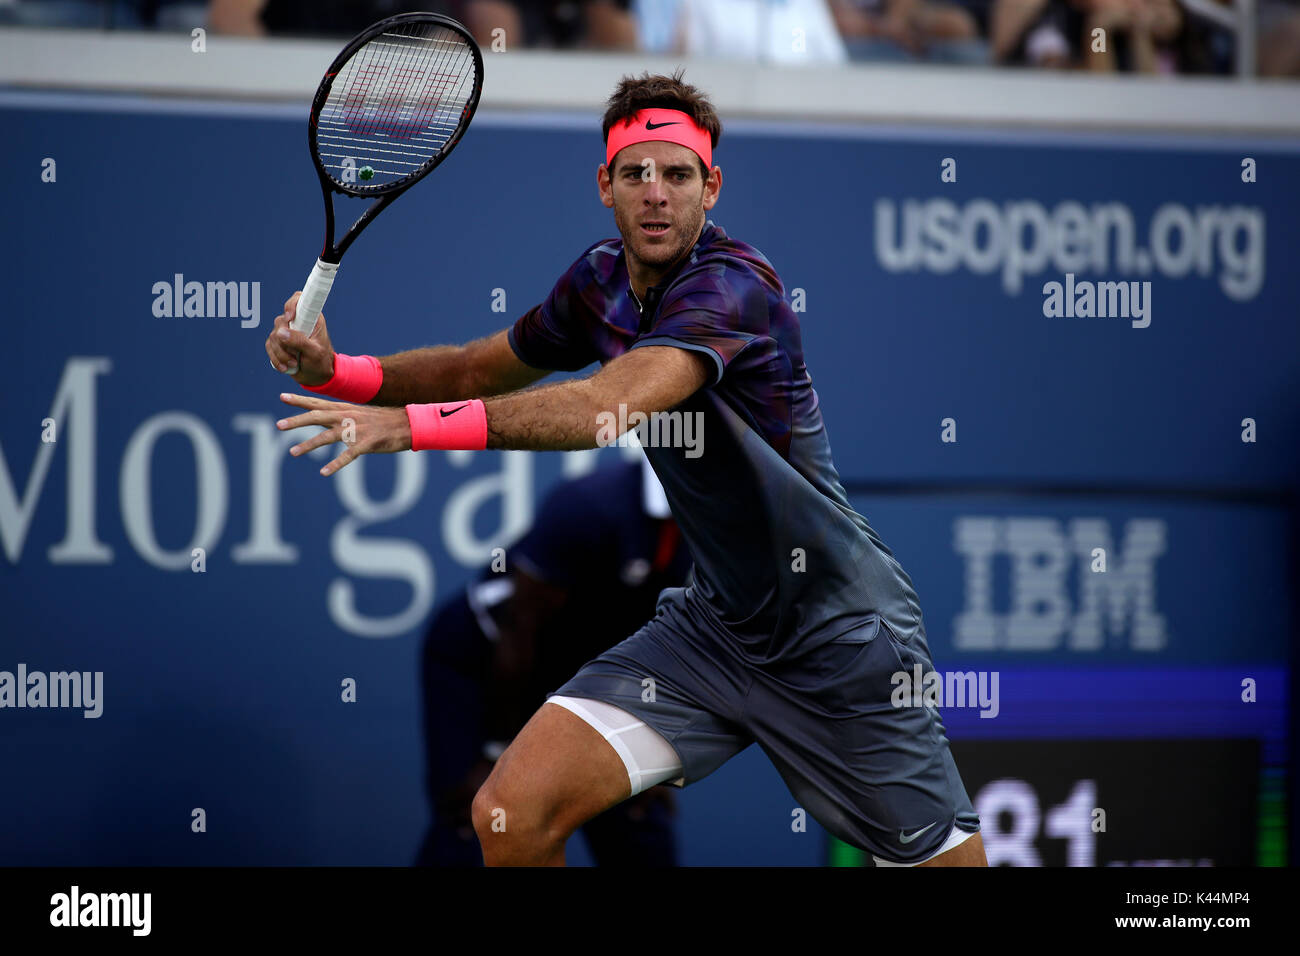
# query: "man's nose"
{"type": "Point", "coordinates": [655, 194]}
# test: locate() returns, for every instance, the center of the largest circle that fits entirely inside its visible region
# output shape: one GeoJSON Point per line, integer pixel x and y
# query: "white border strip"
{"type": "Point", "coordinates": [289, 70]}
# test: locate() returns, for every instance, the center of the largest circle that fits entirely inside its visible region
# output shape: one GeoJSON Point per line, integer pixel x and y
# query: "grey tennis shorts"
{"type": "Point", "coordinates": [877, 776]}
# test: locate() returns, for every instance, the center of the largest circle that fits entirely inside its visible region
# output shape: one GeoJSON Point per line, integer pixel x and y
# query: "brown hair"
{"type": "Point", "coordinates": [656, 91]}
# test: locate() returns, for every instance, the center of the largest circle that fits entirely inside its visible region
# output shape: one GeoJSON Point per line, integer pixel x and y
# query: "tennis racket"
{"type": "Point", "coordinates": [392, 106]}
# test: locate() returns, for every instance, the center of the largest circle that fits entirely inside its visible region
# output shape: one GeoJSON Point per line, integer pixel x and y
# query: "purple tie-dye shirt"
{"type": "Point", "coordinates": [783, 564]}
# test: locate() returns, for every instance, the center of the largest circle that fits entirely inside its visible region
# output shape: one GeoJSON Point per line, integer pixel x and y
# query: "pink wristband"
{"type": "Point", "coordinates": [356, 379]}
{"type": "Point", "coordinates": [448, 425]}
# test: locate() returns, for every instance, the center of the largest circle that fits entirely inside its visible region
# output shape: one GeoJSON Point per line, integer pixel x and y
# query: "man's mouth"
{"type": "Point", "coordinates": [655, 228]}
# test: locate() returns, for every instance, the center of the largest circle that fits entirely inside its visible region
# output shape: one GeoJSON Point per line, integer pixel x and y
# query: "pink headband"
{"type": "Point", "coordinates": [658, 125]}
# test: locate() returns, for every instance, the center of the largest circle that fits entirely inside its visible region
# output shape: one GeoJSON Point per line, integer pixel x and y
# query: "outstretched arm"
{"type": "Point", "coordinates": [563, 416]}
{"type": "Point", "coordinates": [447, 373]}
{"type": "Point", "coordinates": [566, 415]}
{"type": "Point", "coordinates": [440, 373]}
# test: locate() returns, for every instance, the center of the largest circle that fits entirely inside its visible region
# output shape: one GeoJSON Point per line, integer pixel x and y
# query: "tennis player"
{"type": "Point", "coordinates": [796, 614]}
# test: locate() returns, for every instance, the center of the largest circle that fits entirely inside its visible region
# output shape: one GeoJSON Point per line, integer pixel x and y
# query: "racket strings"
{"type": "Point", "coordinates": [396, 104]}
{"type": "Point", "coordinates": [418, 79]}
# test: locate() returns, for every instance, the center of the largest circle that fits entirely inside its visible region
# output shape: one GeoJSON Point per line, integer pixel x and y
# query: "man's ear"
{"type": "Point", "coordinates": [605, 186]}
{"type": "Point", "coordinates": [712, 191]}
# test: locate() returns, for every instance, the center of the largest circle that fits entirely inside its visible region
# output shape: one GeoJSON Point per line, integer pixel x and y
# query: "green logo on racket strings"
{"type": "Point", "coordinates": [366, 172]}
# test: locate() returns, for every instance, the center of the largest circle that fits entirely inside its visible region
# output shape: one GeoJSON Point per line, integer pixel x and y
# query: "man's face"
{"type": "Point", "coordinates": [659, 198]}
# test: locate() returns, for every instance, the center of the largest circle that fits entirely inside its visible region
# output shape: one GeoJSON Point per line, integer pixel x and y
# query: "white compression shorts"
{"type": "Point", "coordinates": [649, 759]}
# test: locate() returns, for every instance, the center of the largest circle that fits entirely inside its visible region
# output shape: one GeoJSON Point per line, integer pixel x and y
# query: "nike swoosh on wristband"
{"type": "Point", "coordinates": [444, 413]}
{"type": "Point", "coordinates": [650, 125]}
{"type": "Point", "coordinates": [904, 838]}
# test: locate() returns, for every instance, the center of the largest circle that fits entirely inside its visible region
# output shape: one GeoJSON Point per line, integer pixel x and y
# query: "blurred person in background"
{"type": "Point", "coordinates": [566, 24]}
{"type": "Point", "coordinates": [907, 30]}
{"type": "Point", "coordinates": [602, 548]}
{"type": "Point", "coordinates": [600, 24]}
{"type": "Point", "coordinates": [339, 18]}
{"type": "Point", "coordinates": [763, 31]}
{"type": "Point", "coordinates": [1042, 33]}
{"type": "Point", "coordinates": [104, 14]}
{"type": "Point", "coordinates": [1142, 36]}
{"type": "Point", "coordinates": [1279, 38]}
{"type": "Point", "coordinates": [656, 25]}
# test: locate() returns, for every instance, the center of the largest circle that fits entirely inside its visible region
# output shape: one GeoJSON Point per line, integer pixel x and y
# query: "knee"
{"type": "Point", "coordinates": [510, 832]}
{"type": "Point", "coordinates": [486, 813]}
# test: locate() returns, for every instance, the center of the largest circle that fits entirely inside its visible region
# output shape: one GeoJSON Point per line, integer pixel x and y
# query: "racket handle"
{"type": "Point", "coordinates": [314, 294]}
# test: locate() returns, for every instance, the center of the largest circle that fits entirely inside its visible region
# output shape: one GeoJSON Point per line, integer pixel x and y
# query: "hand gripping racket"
{"type": "Point", "coordinates": [391, 107]}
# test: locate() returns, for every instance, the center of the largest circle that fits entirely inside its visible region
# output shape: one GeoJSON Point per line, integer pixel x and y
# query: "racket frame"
{"type": "Point", "coordinates": [318, 284]}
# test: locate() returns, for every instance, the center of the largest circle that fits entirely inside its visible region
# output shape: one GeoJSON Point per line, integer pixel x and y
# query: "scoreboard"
{"type": "Point", "coordinates": [1142, 711]}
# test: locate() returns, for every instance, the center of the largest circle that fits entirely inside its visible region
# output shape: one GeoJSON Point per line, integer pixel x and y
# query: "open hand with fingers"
{"type": "Point", "coordinates": [362, 429]}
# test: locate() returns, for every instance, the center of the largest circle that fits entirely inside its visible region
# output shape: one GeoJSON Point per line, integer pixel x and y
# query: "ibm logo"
{"type": "Point", "coordinates": [1114, 590]}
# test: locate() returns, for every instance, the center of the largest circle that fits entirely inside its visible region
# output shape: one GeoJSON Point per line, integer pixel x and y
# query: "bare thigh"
{"type": "Point", "coordinates": [556, 775]}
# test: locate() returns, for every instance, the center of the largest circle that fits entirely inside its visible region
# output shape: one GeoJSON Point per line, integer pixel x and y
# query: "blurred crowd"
{"type": "Point", "coordinates": [1140, 36]}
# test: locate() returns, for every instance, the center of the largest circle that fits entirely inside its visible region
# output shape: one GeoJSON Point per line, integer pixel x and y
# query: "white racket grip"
{"type": "Point", "coordinates": [313, 297]}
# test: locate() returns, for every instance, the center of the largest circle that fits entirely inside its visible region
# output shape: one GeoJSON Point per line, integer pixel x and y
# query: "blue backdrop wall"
{"type": "Point", "coordinates": [131, 436]}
